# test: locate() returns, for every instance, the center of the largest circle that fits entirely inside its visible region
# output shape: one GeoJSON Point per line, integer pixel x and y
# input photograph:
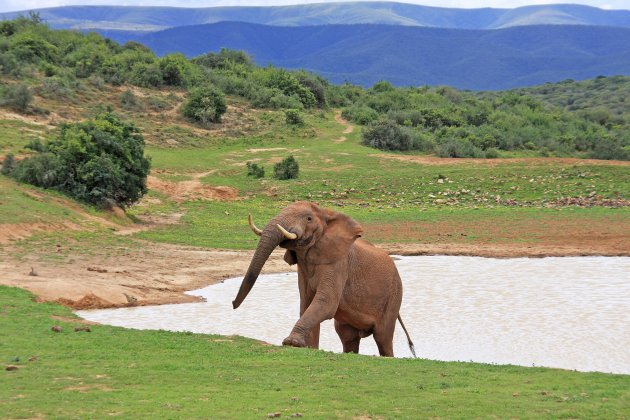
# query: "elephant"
{"type": "Point", "coordinates": [339, 276]}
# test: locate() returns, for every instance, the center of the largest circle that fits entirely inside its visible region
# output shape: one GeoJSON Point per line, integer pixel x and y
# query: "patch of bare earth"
{"type": "Point", "coordinates": [192, 189]}
{"type": "Point", "coordinates": [347, 130]}
{"type": "Point", "coordinates": [506, 238]}
{"type": "Point", "coordinates": [149, 275]}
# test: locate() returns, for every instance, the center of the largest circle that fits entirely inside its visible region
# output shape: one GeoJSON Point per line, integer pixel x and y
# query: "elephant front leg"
{"type": "Point", "coordinates": [323, 306]}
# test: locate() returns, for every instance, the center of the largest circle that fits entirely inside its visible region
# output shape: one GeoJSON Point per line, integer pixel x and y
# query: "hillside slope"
{"type": "Point", "coordinates": [466, 59]}
{"type": "Point", "coordinates": [155, 18]}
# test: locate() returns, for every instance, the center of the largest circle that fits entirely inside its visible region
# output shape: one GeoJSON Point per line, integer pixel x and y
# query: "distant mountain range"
{"type": "Point", "coordinates": [365, 54]}
{"type": "Point", "coordinates": [389, 13]}
{"type": "Point", "coordinates": [479, 49]}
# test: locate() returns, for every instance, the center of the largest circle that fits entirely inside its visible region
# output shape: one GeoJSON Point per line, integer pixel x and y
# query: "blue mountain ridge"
{"type": "Point", "coordinates": [365, 54]}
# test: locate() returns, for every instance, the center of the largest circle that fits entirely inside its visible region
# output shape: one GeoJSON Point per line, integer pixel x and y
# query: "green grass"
{"type": "Point", "coordinates": [377, 188]}
{"type": "Point", "coordinates": [147, 374]}
{"type": "Point", "coordinates": [17, 134]}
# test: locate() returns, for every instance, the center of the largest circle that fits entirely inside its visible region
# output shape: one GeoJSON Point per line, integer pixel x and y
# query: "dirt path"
{"type": "Point", "coordinates": [192, 189]}
{"type": "Point", "coordinates": [349, 127]}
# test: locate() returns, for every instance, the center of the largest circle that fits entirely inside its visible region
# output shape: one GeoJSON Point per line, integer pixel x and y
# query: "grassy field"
{"type": "Point", "coordinates": [397, 198]}
{"type": "Point", "coordinates": [147, 374]}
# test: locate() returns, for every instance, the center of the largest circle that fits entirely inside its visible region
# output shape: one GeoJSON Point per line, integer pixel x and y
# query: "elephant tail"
{"type": "Point", "coordinates": [411, 346]}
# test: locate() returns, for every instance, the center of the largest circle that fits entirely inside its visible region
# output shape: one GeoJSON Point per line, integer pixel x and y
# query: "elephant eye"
{"type": "Point", "coordinates": [309, 219]}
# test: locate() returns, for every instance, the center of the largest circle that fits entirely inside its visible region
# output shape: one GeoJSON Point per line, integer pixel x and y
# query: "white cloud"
{"type": "Point", "coordinates": [13, 5]}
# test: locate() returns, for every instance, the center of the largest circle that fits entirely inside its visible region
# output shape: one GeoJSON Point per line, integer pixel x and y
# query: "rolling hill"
{"type": "Point", "coordinates": [365, 54]}
{"type": "Point", "coordinates": [158, 18]}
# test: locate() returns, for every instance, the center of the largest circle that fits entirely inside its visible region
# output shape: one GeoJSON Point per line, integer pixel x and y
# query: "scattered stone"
{"type": "Point", "coordinates": [515, 394]}
{"type": "Point", "coordinates": [297, 415]}
{"type": "Point", "coordinates": [98, 270]}
{"type": "Point", "coordinates": [56, 328]}
{"type": "Point", "coordinates": [32, 359]}
{"type": "Point", "coordinates": [11, 367]}
{"type": "Point", "coordinates": [273, 415]}
{"type": "Point", "coordinates": [33, 272]}
{"type": "Point", "coordinates": [86, 329]}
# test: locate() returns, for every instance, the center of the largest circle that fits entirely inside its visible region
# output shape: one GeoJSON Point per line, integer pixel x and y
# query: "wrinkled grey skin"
{"type": "Point", "coordinates": [339, 275]}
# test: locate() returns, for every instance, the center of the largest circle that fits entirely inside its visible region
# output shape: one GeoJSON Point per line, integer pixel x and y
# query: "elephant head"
{"type": "Point", "coordinates": [308, 232]}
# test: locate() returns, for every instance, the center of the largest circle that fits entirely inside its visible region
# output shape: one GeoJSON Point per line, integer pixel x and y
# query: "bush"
{"type": "Point", "coordinates": [8, 164]}
{"type": "Point", "coordinates": [18, 97]}
{"type": "Point", "coordinates": [293, 117]}
{"type": "Point", "coordinates": [387, 135]}
{"type": "Point", "coordinates": [458, 148]}
{"type": "Point", "coordinates": [129, 101]}
{"type": "Point", "coordinates": [255, 170]}
{"type": "Point", "coordinates": [609, 150]}
{"type": "Point", "coordinates": [99, 161]}
{"type": "Point", "coordinates": [361, 114]}
{"type": "Point", "coordinates": [287, 169]}
{"type": "Point", "coordinates": [205, 105]}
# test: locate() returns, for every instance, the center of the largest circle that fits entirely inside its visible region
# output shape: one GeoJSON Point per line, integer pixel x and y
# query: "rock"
{"type": "Point", "coordinates": [11, 367]}
{"type": "Point", "coordinates": [297, 415]}
{"type": "Point", "coordinates": [273, 415]}
{"type": "Point", "coordinates": [98, 270]}
{"type": "Point", "coordinates": [86, 329]}
{"type": "Point", "coordinates": [56, 328]}
{"type": "Point", "coordinates": [33, 272]}
{"type": "Point", "coordinates": [32, 359]}
{"type": "Point", "coordinates": [133, 301]}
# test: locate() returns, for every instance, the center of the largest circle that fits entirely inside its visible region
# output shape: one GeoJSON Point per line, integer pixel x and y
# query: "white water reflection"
{"type": "Point", "coordinates": [571, 313]}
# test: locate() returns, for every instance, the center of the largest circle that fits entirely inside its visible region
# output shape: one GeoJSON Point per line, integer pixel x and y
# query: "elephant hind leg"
{"type": "Point", "coordinates": [350, 337]}
{"type": "Point", "coordinates": [385, 341]}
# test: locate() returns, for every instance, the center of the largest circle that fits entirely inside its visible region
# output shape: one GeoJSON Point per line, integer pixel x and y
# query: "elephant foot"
{"type": "Point", "coordinates": [294, 341]}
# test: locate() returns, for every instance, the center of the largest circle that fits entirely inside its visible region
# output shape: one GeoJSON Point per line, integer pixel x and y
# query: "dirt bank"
{"type": "Point", "coordinates": [160, 273]}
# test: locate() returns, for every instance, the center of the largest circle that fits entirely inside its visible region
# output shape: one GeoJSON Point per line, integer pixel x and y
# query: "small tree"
{"type": "Point", "coordinates": [18, 97]}
{"type": "Point", "coordinates": [387, 135]}
{"type": "Point", "coordinates": [8, 164]}
{"type": "Point", "coordinates": [254, 170]}
{"type": "Point", "coordinates": [293, 117]}
{"type": "Point", "coordinates": [100, 161]}
{"type": "Point", "coordinates": [205, 105]}
{"type": "Point", "coordinates": [287, 169]}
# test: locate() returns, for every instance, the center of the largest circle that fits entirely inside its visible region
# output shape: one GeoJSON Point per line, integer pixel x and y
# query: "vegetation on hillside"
{"type": "Point", "coordinates": [443, 121]}
{"type": "Point", "coordinates": [100, 161]}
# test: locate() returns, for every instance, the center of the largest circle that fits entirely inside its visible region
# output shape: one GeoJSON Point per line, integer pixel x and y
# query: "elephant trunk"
{"type": "Point", "coordinates": [269, 240]}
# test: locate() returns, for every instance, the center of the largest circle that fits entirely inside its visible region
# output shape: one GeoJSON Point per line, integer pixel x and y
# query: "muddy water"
{"type": "Point", "coordinates": [571, 313]}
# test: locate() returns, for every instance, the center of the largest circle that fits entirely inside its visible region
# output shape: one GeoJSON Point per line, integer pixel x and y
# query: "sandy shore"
{"type": "Point", "coordinates": [160, 273]}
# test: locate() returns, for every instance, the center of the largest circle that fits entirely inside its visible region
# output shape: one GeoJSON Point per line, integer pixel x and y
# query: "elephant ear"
{"type": "Point", "coordinates": [340, 232]}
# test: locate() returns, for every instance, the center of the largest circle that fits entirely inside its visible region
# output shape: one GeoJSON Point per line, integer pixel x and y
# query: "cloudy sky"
{"type": "Point", "coordinates": [13, 5]}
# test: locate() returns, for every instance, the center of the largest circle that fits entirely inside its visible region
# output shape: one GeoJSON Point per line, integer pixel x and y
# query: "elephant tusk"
{"type": "Point", "coordinates": [286, 233]}
{"type": "Point", "coordinates": [253, 226]}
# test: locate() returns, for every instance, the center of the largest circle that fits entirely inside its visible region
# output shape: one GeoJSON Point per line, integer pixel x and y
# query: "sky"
{"type": "Point", "coordinates": [14, 5]}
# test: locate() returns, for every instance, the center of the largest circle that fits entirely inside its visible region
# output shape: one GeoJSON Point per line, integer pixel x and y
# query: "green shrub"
{"type": "Point", "coordinates": [387, 135]}
{"type": "Point", "coordinates": [293, 117]}
{"type": "Point", "coordinates": [492, 153]}
{"type": "Point", "coordinates": [55, 87]}
{"type": "Point", "coordinates": [361, 114]}
{"type": "Point", "coordinates": [204, 105]}
{"type": "Point", "coordinates": [609, 150]}
{"type": "Point", "coordinates": [8, 164]}
{"type": "Point", "coordinates": [18, 97]}
{"type": "Point", "coordinates": [100, 161]}
{"type": "Point", "coordinates": [286, 169]}
{"type": "Point", "coordinates": [146, 75]}
{"type": "Point", "coordinates": [254, 170]}
{"type": "Point", "coordinates": [458, 148]}
{"type": "Point", "coordinates": [129, 100]}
